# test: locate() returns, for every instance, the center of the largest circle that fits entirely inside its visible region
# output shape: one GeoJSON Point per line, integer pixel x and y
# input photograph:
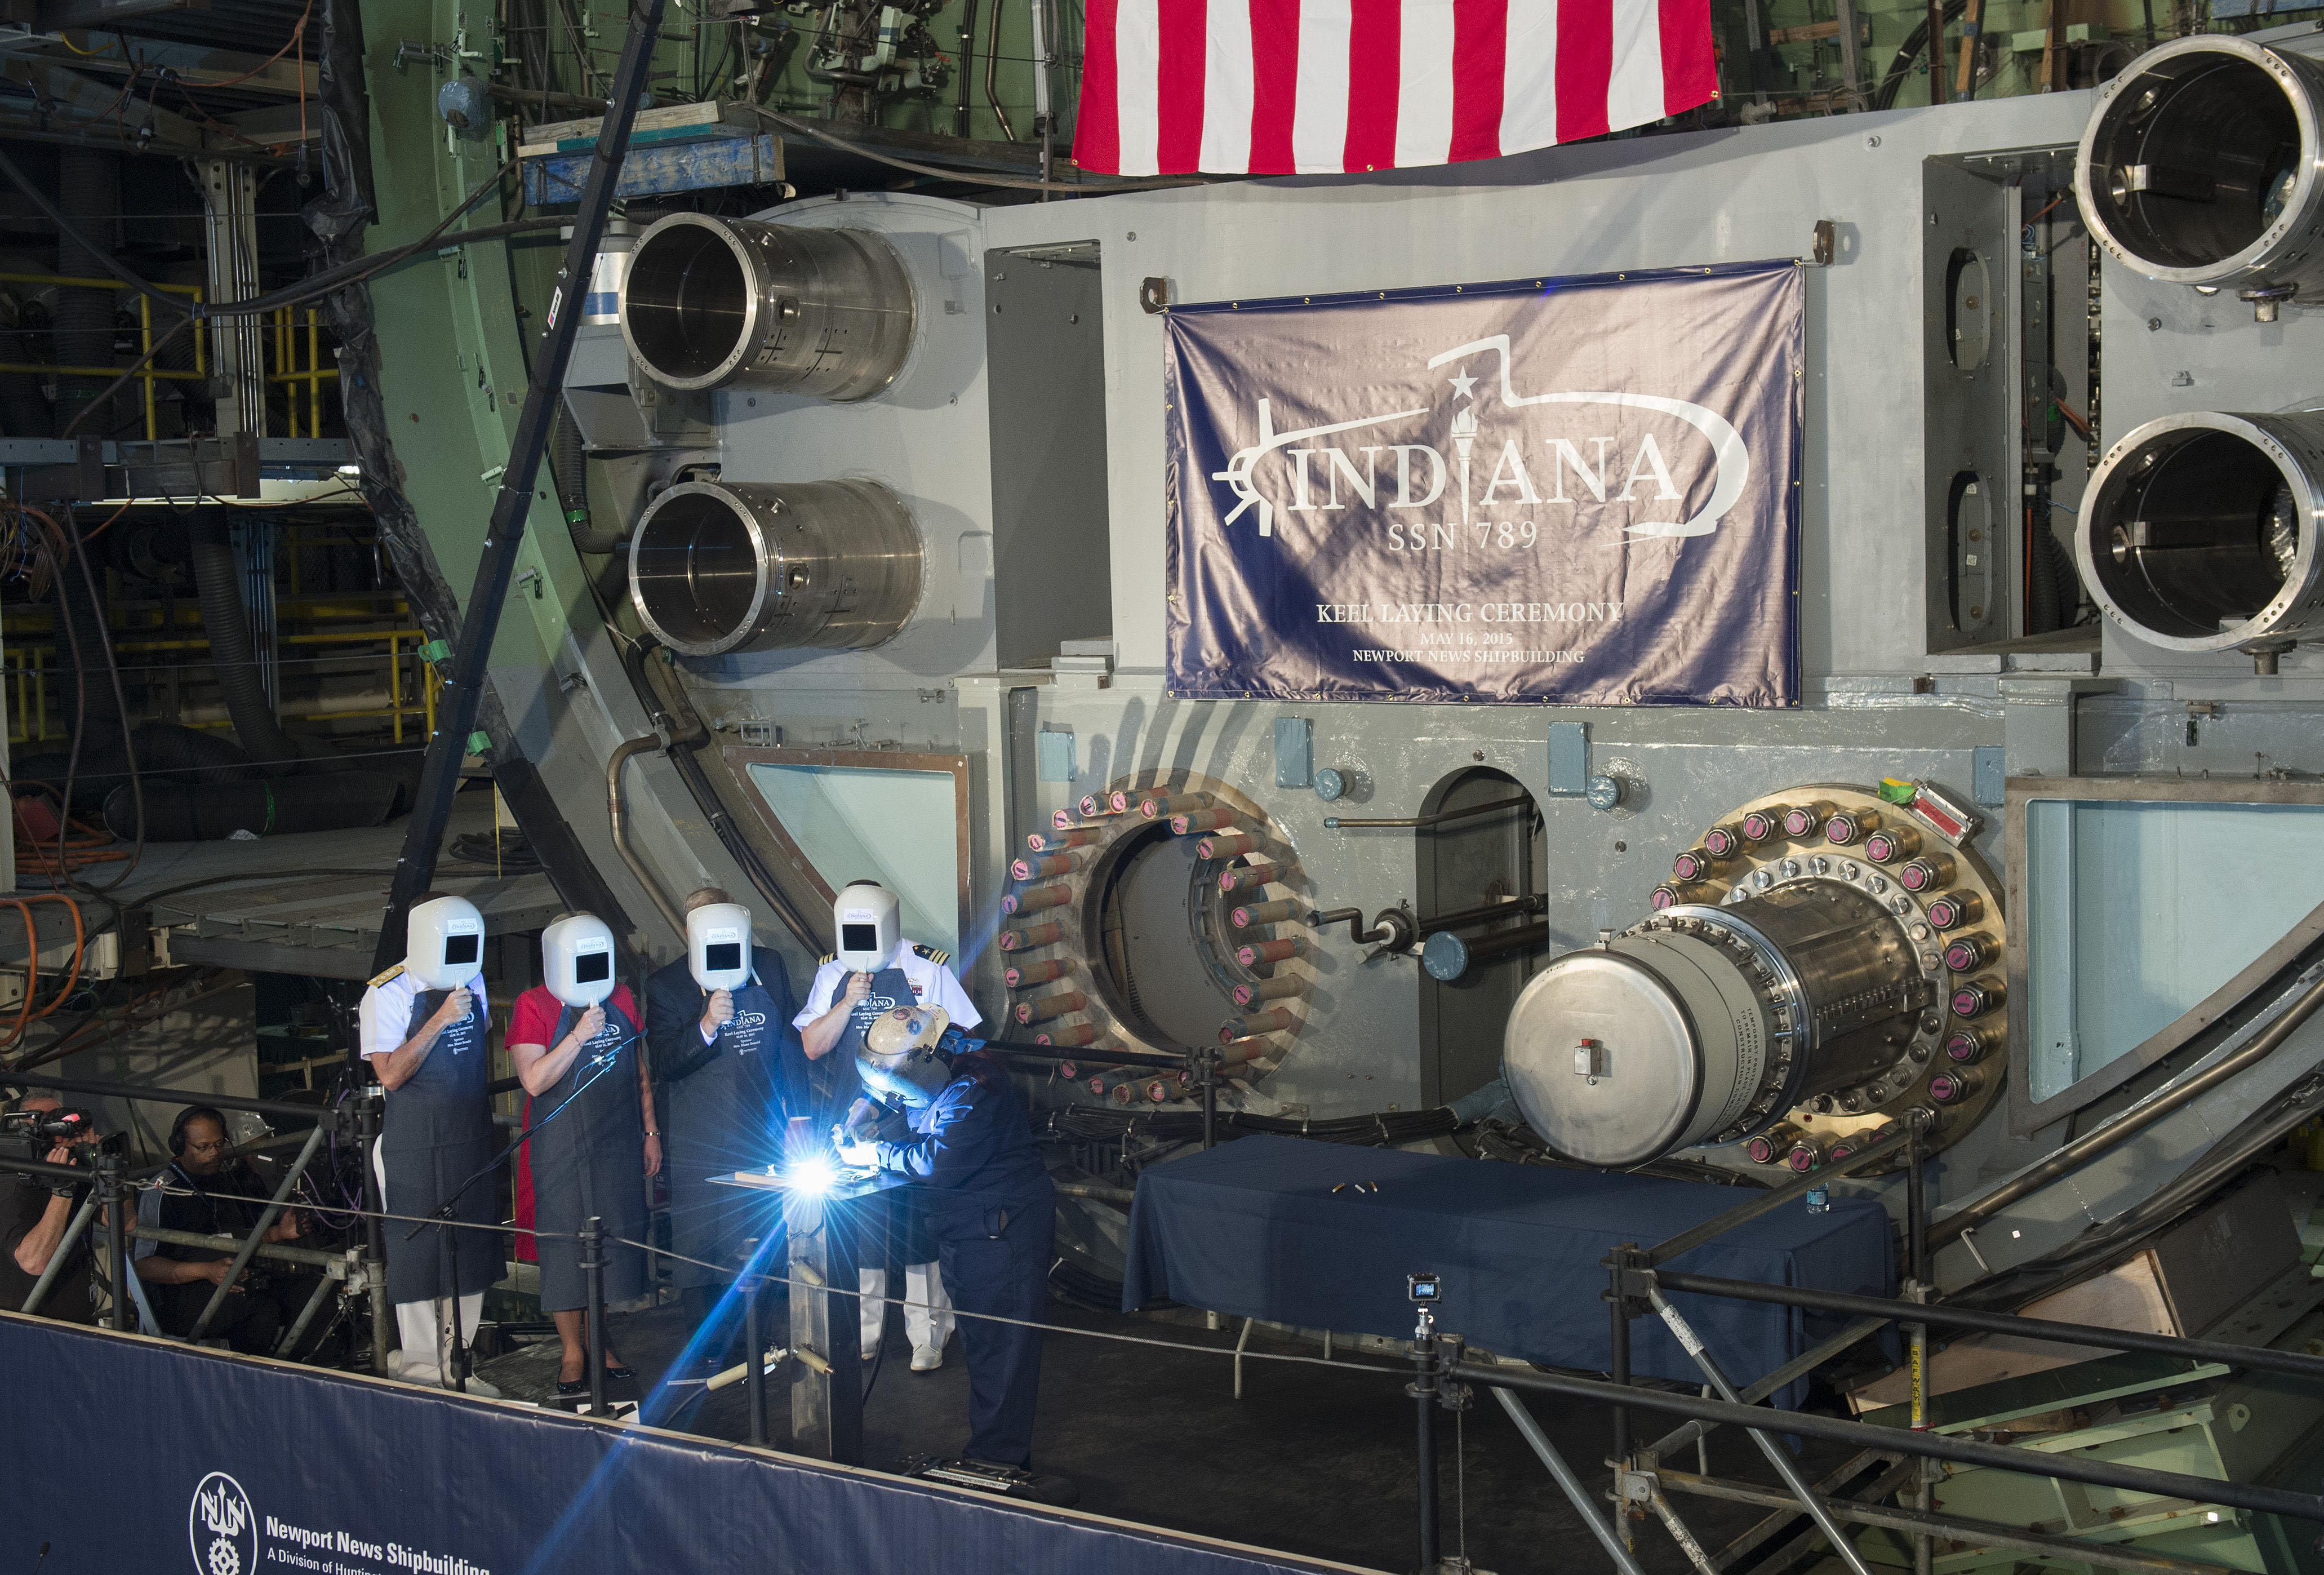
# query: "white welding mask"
{"type": "Point", "coordinates": [444, 943]}
{"type": "Point", "coordinates": [718, 945]}
{"type": "Point", "coordinates": [869, 922]}
{"type": "Point", "coordinates": [576, 959]}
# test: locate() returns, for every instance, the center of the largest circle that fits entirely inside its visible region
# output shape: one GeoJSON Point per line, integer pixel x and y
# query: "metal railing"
{"type": "Point", "coordinates": [285, 345]}
{"type": "Point", "coordinates": [358, 1268]}
{"type": "Point", "coordinates": [147, 376]}
{"type": "Point", "coordinates": [296, 355]}
{"type": "Point", "coordinates": [411, 696]}
{"type": "Point", "coordinates": [1638, 1279]}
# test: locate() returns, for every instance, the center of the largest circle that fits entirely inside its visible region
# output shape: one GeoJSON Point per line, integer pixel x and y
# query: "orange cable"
{"type": "Point", "coordinates": [116, 514]}
{"type": "Point", "coordinates": [297, 34]}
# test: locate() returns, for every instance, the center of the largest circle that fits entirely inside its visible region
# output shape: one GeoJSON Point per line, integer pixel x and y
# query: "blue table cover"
{"type": "Point", "coordinates": [1253, 1228]}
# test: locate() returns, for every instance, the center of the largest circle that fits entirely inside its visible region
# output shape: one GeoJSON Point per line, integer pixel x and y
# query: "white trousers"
{"type": "Point", "coordinates": [928, 1308]}
{"type": "Point", "coordinates": [420, 1327]}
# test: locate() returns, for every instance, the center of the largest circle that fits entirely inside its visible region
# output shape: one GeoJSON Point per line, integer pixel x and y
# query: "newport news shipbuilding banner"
{"type": "Point", "coordinates": [1583, 491]}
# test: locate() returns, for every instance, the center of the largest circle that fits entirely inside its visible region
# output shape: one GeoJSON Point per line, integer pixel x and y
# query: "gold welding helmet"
{"type": "Point", "coordinates": [899, 1059]}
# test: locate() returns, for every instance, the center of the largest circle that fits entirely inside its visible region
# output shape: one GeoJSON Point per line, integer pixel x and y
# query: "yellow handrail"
{"type": "Point", "coordinates": [286, 369]}
{"type": "Point", "coordinates": [29, 666]}
{"type": "Point", "coordinates": [148, 375]}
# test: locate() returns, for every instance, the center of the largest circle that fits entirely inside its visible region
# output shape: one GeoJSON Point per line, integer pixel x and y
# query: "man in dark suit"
{"type": "Point", "coordinates": [731, 1071]}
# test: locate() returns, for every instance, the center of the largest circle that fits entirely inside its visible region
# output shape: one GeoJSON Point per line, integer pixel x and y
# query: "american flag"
{"type": "Point", "coordinates": [1289, 87]}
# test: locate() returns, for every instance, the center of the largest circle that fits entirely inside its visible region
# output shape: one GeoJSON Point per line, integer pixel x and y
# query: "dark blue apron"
{"type": "Point", "coordinates": [836, 1084]}
{"type": "Point", "coordinates": [590, 1160]}
{"type": "Point", "coordinates": [890, 1230]}
{"type": "Point", "coordinates": [437, 1132]}
{"type": "Point", "coordinates": [726, 1116]}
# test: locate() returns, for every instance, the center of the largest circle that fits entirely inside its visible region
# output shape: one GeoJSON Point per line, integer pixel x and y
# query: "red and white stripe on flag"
{"type": "Point", "coordinates": [1306, 87]}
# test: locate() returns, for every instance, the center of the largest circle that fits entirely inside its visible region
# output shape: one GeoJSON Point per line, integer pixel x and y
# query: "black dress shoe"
{"type": "Point", "coordinates": [624, 1374]}
{"type": "Point", "coordinates": [1059, 1491]}
{"type": "Point", "coordinates": [573, 1391]}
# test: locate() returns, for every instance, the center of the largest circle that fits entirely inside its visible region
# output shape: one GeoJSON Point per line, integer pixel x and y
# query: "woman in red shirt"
{"type": "Point", "coordinates": [592, 1159]}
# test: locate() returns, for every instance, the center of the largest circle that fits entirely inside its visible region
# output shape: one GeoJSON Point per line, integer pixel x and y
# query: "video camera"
{"type": "Point", "coordinates": [30, 1135]}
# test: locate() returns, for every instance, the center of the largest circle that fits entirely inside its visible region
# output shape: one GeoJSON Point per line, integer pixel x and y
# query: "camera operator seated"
{"type": "Point", "coordinates": [203, 1193]}
{"type": "Point", "coordinates": [35, 1212]}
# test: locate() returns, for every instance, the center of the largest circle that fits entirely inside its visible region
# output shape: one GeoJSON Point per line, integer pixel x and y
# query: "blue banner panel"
{"type": "Point", "coordinates": [1583, 491]}
{"type": "Point", "coordinates": [129, 1454]}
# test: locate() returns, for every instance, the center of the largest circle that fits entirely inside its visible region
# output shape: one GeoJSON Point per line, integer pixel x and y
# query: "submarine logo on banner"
{"type": "Point", "coordinates": [1583, 491]}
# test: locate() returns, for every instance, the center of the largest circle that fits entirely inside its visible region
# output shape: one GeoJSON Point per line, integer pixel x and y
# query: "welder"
{"type": "Point", "coordinates": [959, 1129]}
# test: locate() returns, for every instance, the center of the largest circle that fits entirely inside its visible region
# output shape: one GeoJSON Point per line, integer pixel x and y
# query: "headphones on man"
{"type": "Point", "coordinates": [185, 1117]}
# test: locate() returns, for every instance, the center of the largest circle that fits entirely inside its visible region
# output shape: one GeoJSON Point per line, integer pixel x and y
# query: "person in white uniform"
{"type": "Point", "coordinates": [874, 971]}
{"type": "Point", "coordinates": [424, 1027]}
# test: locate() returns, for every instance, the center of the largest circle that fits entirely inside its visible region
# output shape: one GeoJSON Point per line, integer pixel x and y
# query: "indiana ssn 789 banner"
{"type": "Point", "coordinates": [1581, 490]}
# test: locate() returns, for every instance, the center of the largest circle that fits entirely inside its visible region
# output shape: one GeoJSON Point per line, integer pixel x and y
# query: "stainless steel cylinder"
{"type": "Point", "coordinates": [717, 567]}
{"type": "Point", "coordinates": [1705, 1024]}
{"type": "Point", "coordinates": [2200, 165]}
{"type": "Point", "coordinates": [2199, 533]}
{"type": "Point", "coordinates": [738, 303]}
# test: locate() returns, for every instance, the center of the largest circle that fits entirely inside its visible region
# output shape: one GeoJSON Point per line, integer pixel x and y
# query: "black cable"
{"type": "Point", "coordinates": [103, 254]}
{"type": "Point", "coordinates": [878, 1360]}
{"type": "Point", "coordinates": [1914, 42]}
{"type": "Point", "coordinates": [80, 690]}
{"type": "Point", "coordinates": [354, 271]}
{"type": "Point", "coordinates": [1076, 1286]}
{"type": "Point", "coordinates": [128, 741]}
{"type": "Point", "coordinates": [1088, 1124]}
{"type": "Point", "coordinates": [971, 177]}
{"type": "Point", "coordinates": [504, 848]}
{"type": "Point", "coordinates": [361, 269]}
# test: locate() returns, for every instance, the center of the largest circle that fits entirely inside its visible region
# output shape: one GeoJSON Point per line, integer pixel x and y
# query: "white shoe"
{"type": "Point", "coordinates": [870, 1355]}
{"type": "Point", "coordinates": [926, 1358]}
{"type": "Point", "coordinates": [431, 1377]}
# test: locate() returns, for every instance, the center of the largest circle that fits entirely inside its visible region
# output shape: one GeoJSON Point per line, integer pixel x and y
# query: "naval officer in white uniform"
{"type": "Point", "coordinates": [874, 971]}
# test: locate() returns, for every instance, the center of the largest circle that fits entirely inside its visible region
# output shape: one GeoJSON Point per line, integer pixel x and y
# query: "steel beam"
{"type": "Point", "coordinates": [1936, 1446]}
{"type": "Point", "coordinates": [1979, 1534]}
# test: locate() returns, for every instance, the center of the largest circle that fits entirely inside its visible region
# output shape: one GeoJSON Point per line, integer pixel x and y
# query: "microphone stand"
{"type": "Point", "coordinates": [454, 1358]}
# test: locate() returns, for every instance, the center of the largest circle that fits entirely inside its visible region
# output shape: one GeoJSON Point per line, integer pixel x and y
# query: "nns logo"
{"type": "Point", "coordinates": [875, 1002]}
{"type": "Point", "coordinates": [221, 1528]}
{"type": "Point", "coordinates": [744, 1021]}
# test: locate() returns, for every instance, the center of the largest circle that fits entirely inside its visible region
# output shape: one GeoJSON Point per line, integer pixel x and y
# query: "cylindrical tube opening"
{"type": "Point", "coordinates": [2199, 531]}
{"type": "Point", "coordinates": [738, 303]}
{"type": "Point", "coordinates": [2200, 165]}
{"type": "Point", "coordinates": [685, 302]}
{"type": "Point", "coordinates": [715, 567]}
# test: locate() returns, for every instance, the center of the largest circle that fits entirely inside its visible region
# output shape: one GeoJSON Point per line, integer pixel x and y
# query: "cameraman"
{"type": "Point", "coordinates": [32, 1222]}
{"type": "Point", "coordinates": [203, 1194]}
